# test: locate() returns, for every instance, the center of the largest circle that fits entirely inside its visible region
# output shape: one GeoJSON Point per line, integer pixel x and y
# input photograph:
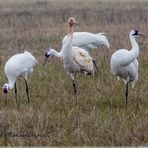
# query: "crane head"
{"type": "Point", "coordinates": [136, 33]}
{"type": "Point", "coordinates": [72, 21]}
{"type": "Point", "coordinates": [47, 55]}
{"type": "Point", "coordinates": [6, 88]}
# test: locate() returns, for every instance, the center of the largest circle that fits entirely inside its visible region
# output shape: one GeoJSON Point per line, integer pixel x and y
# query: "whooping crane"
{"type": "Point", "coordinates": [51, 51]}
{"type": "Point", "coordinates": [124, 63]}
{"type": "Point", "coordinates": [18, 65]}
{"type": "Point", "coordinates": [75, 59]}
{"type": "Point", "coordinates": [88, 40]}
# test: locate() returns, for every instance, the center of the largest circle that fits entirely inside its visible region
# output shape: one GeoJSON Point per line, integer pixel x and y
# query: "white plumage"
{"type": "Point", "coordinates": [124, 63]}
{"type": "Point", "coordinates": [18, 65]}
{"type": "Point", "coordinates": [88, 40]}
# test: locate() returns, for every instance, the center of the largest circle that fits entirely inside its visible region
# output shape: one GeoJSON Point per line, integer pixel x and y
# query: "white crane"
{"type": "Point", "coordinates": [18, 65]}
{"type": "Point", "coordinates": [88, 40]}
{"type": "Point", "coordinates": [124, 63]}
{"type": "Point", "coordinates": [75, 59]}
{"type": "Point", "coordinates": [51, 52]}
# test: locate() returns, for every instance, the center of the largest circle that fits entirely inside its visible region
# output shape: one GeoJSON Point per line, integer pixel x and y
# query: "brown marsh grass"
{"type": "Point", "coordinates": [52, 118]}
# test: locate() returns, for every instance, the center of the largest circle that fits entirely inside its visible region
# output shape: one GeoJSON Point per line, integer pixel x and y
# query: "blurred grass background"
{"type": "Point", "coordinates": [52, 118]}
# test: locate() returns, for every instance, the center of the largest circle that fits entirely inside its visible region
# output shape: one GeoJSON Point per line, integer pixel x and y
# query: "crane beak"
{"type": "Point", "coordinates": [45, 61]}
{"type": "Point", "coordinates": [142, 34]}
{"type": "Point", "coordinates": [75, 22]}
{"type": "Point", "coordinates": [46, 57]}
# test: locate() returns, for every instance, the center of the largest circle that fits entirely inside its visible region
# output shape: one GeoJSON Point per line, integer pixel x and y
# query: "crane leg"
{"type": "Point", "coordinates": [74, 87]}
{"type": "Point", "coordinates": [75, 91]}
{"type": "Point", "coordinates": [15, 92]}
{"type": "Point", "coordinates": [94, 62]}
{"type": "Point", "coordinates": [126, 95]}
{"type": "Point", "coordinates": [72, 76]}
{"type": "Point", "coordinates": [75, 75]}
{"type": "Point", "coordinates": [27, 90]}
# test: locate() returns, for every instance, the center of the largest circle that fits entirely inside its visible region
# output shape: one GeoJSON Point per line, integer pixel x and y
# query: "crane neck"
{"type": "Point", "coordinates": [10, 85]}
{"type": "Point", "coordinates": [67, 47]}
{"type": "Point", "coordinates": [135, 47]}
{"type": "Point", "coordinates": [55, 53]}
{"type": "Point", "coordinates": [132, 54]}
{"type": "Point", "coordinates": [69, 29]}
{"type": "Point", "coordinates": [11, 82]}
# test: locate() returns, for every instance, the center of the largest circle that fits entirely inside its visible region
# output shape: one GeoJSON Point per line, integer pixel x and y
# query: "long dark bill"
{"type": "Point", "coordinates": [45, 61]}
{"type": "Point", "coordinates": [94, 62]}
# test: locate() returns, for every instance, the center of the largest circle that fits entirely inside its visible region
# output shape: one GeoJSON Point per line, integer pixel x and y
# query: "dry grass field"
{"type": "Point", "coordinates": [53, 118]}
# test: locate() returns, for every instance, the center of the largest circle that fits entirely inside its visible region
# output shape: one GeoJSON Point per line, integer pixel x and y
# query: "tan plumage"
{"type": "Point", "coordinates": [84, 60]}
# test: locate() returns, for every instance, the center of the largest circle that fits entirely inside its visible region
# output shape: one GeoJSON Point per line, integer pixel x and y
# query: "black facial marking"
{"type": "Point", "coordinates": [46, 55]}
{"type": "Point", "coordinates": [5, 90]}
{"type": "Point", "coordinates": [136, 32]}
